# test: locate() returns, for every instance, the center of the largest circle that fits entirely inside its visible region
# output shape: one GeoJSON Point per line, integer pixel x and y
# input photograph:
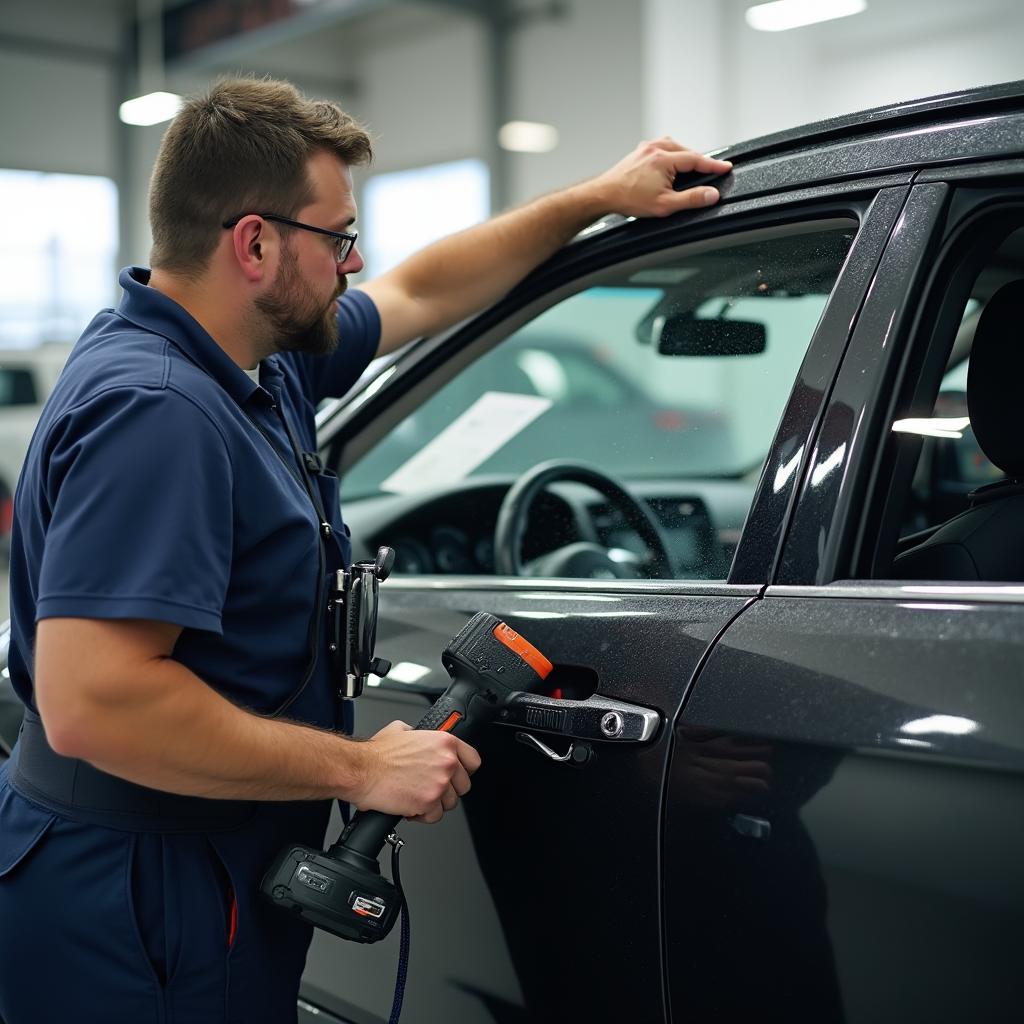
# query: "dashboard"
{"type": "Point", "coordinates": [450, 530]}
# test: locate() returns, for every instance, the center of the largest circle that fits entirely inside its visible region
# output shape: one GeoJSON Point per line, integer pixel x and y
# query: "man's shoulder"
{"type": "Point", "coordinates": [115, 355]}
{"type": "Point", "coordinates": [119, 376]}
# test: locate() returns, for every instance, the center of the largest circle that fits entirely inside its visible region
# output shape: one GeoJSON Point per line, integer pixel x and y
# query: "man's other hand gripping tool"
{"type": "Point", "coordinates": [342, 890]}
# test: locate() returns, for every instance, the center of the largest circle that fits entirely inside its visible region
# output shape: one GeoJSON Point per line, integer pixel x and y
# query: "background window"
{"type": "Point", "coordinates": [406, 210]}
{"type": "Point", "coordinates": [58, 253]}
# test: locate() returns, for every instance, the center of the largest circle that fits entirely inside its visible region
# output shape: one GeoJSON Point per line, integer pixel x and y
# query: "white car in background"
{"type": "Point", "coordinates": [27, 376]}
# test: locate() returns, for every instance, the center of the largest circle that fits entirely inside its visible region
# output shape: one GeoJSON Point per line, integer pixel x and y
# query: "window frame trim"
{"type": "Point", "coordinates": [954, 270]}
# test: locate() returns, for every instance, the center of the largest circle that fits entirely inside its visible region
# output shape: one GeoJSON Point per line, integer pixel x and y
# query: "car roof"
{"type": "Point", "coordinates": [987, 99]}
{"type": "Point", "coordinates": [892, 141]}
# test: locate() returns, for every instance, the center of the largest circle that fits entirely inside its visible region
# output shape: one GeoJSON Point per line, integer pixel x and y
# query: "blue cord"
{"type": "Point", "coordinates": [403, 954]}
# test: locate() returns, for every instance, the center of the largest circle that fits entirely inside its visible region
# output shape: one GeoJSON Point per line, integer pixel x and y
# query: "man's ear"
{"type": "Point", "coordinates": [252, 246]}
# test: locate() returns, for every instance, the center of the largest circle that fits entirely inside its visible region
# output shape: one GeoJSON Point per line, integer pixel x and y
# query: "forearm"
{"type": "Point", "coordinates": [170, 731]}
{"type": "Point", "coordinates": [453, 278]}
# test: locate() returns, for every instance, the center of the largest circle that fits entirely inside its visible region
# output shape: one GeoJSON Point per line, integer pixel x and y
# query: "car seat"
{"type": "Point", "coordinates": [986, 542]}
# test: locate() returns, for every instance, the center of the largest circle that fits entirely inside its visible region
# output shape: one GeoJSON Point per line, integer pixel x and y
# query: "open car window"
{"type": "Point", "coordinates": [669, 374]}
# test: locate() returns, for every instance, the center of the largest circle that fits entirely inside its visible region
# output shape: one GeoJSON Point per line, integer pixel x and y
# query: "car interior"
{"type": "Point", "coordinates": [644, 402]}
{"type": "Point", "coordinates": [965, 498]}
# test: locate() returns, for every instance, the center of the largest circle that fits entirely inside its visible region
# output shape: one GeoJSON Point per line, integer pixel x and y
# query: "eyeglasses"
{"type": "Point", "coordinates": [343, 240]}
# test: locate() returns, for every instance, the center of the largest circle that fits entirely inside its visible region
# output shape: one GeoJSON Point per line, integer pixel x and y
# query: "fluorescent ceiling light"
{"type": "Point", "coordinates": [528, 137]}
{"type": "Point", "coordinates": [786, 14]}
{"type": "Point", "coordinates": [152, 108]}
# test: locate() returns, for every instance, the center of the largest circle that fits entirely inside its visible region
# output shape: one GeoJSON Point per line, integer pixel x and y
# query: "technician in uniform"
{"type": "Point", "coordinates": [171, 552]}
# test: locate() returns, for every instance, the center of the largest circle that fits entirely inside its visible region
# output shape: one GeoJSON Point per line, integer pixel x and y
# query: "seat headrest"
{"type": "Point", "coordinates": [995, 379]}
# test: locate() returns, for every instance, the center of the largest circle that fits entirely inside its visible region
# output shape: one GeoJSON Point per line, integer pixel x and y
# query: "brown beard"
{"type": "Point", "coordinates": [287, 310]}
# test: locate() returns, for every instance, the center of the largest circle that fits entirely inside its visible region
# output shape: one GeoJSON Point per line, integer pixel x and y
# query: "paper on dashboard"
{"type": "Point", "coordinates": [468, 441]}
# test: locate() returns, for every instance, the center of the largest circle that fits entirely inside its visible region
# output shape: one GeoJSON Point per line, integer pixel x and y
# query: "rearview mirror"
{"type": "Point", "coordinates": [684, 335]}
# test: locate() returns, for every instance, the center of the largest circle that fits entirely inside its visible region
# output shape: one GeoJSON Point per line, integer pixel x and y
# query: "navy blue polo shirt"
{"type": "Point", "coordinates": [161, 484]}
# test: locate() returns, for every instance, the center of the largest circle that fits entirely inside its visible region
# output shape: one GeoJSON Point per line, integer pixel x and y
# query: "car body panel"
{"type": "Point", "coordinates": [534, 858]}
{"type": "Point", "coordinates": [878, 877]}
{"type": "Point", "coordinates": [837, 800]}
{"type": "Point", "coordinates": [968, 140]}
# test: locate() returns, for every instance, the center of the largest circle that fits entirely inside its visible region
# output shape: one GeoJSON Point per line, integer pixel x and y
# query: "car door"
{"type": "Point", "coordinates": [541, 897]}
{"type": "Point", "coordinates": [860, 851]}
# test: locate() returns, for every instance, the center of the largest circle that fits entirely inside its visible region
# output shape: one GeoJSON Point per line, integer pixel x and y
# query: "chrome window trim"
{"type": "Point", "coordinates": [932, 591]}
{"type": "Point", "coordinates": [512, 584]}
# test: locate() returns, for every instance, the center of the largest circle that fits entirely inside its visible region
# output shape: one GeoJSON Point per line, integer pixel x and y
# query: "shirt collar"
{"type": "Point", "coordinates": [153, 311]}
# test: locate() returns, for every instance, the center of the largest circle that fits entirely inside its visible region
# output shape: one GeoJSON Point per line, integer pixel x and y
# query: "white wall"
{"type": "Point", "coordinates": [55, 103]}
{"type": "Point", "coordinates": [731, 83]}
{"type": "Point", "coordinates": [606, 75]}
{"type": "Point", "coordinates": [422, 88]}
{"type": "Point", "coordinates": [584, 75]}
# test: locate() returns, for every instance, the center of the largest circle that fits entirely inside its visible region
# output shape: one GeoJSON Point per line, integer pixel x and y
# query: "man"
{"type": "Point", "coordinates": [170, 557]}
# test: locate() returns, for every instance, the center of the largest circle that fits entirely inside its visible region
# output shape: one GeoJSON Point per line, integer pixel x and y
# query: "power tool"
{"type": "Point", "coordinates": [342, 890]}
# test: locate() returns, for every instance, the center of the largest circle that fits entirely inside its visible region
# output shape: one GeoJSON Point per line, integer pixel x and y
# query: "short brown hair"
{"type": "Point", "coordinates": [241, 148]}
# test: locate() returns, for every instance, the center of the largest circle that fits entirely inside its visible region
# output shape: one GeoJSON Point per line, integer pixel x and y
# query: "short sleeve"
{"type": "Point", "coordinates": [358, 340]}
{"type": "Point", "coordinates": [138, 486]}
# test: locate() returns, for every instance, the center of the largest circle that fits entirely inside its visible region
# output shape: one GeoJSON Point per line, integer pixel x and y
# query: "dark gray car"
{"type": "Point", "coordinates": [807, 606]}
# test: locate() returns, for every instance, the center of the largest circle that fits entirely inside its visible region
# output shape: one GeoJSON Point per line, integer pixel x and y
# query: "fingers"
{"type": "Point", "coordinates": [431, 817]}
{"type": "Point", "coordinates": [448, 802]}
{"type": "Point", "coordinates": [460, 781]}
{"type": "Point", "coordinates": [450, 799]}
{"type": "Point", "coordinates": [668, 143]}
{"type": "Point", "coordinates": [693, 198]}
{"type": "Point", "coordinates": [468, 757]}
{"type": "Point", "coordinates": [644, 180]}
{"type": "Point", "coordinates": [685, 160]}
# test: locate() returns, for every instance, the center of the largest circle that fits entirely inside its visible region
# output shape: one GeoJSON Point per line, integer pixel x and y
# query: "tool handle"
{"type": "Point", "coordinates": [369, 830]}
{"type": "Point", "coordinates": [488, 662]}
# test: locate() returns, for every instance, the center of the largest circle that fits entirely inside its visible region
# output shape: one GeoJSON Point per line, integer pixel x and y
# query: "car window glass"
{"type": "Point", "coordinates": [669, 375]}
{"type": "Point", "coordinates": [956, 486]}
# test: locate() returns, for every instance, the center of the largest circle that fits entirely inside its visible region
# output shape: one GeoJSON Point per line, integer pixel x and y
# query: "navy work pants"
{"type": "Point", "coordinates": [102, 925]}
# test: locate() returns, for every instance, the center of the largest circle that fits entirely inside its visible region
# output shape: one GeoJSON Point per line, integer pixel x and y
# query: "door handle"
{"type": "Point", "coordinates": [598, 719]}
{"type": "Point", "coordinates": [574, 755]}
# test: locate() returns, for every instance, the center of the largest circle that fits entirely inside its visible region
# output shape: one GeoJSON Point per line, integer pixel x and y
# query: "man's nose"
{"type": "Point", "coordinates": [353, 263]}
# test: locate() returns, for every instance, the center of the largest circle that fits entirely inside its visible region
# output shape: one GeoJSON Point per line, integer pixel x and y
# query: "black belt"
{"type": "Point", "coordinates": [75, 789]}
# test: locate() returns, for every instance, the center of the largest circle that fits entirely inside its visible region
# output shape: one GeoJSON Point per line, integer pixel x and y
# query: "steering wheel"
{"type": "Point", "coordinates": [583, 558]}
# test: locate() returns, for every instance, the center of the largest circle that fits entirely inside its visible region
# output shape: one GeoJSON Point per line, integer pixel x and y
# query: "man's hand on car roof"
{"type": "Point", "coordinates": [641, 184]}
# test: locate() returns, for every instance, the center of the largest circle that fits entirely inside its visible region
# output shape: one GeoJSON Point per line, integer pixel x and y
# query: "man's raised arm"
{"type": "Point", "coordinates": [451, 279]}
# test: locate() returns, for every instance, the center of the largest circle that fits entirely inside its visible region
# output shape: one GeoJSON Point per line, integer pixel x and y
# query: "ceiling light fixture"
{"type": "Point", "coordinates": [155, 105]}
{"type": "Point", "coordinates": [786, 14]}
{"type": "Point", "coordinates": [528, 137]}
{"type": "Point", "coordinates": [152, 108]}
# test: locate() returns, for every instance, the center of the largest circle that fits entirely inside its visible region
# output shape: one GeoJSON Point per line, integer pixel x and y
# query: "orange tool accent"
{"type": "Point", "coordinates": [451, 721]}
{"type": "Point", "coordinates": [233, 921]}
{"type": "Point", "coordinates": [514, 642]}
